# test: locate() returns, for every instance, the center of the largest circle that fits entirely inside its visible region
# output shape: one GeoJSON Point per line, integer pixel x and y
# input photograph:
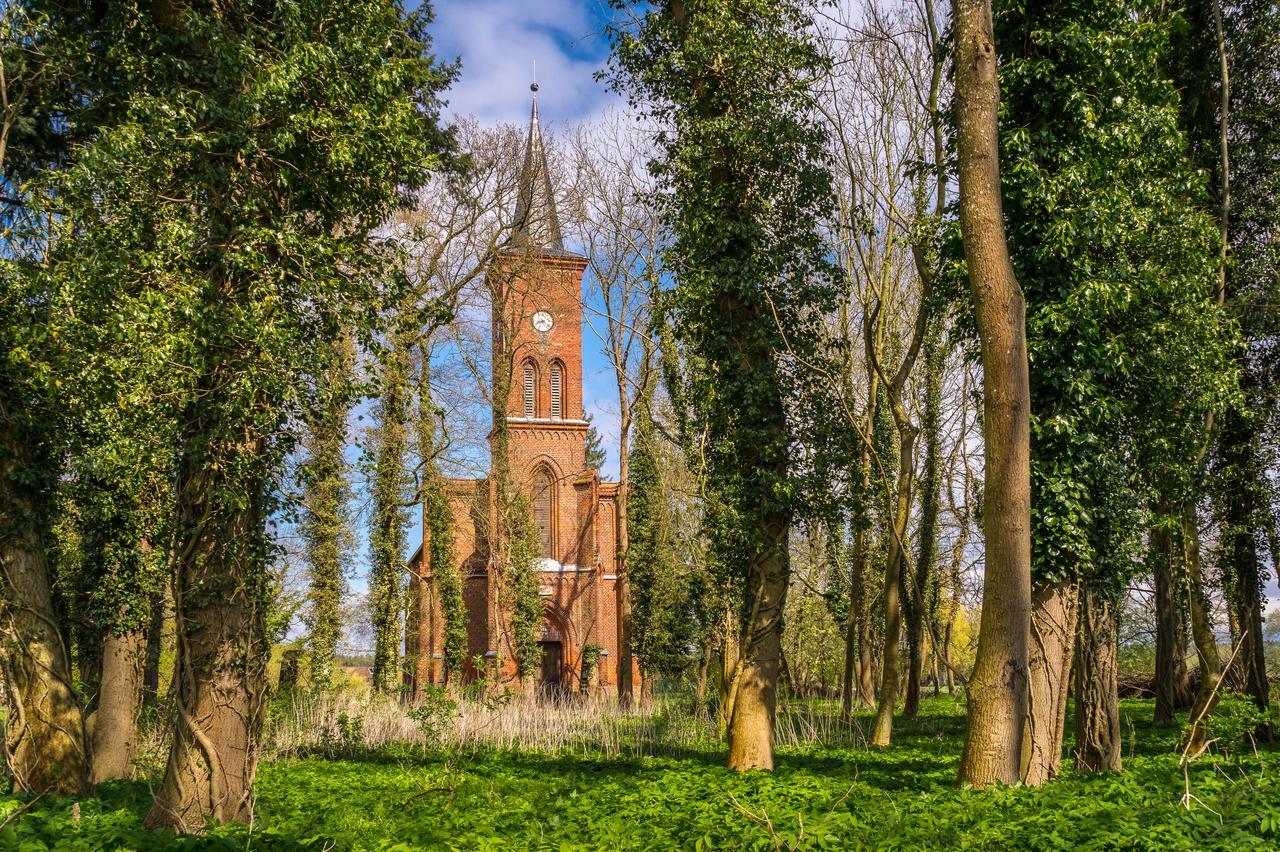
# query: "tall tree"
{"type": "Point", "coordinates": [390, 491]}
{"type": "Point", "coordinates": [740, 166]}
{"type": "Point", "coordinates": [1123, 337]}
{"type": "Point", "coordinates": [1226, 62]}
{"type": "Point", "coordinates": [227, 198]}
{"type": "Point", "coordinates": [326, 525]}
{"type": "Point", "coordinates": [997, 691]}
{"type": "Point", "coordinates": [45, 748]}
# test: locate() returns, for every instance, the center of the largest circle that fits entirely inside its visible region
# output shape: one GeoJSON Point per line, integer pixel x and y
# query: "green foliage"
{"type": "Point", "coordinates": [326, 523]}
{"type": "Point", "coordinates": [591, 654]}
{"type": "Point", "coordinates": [743, 189]}
{"type": "Point", "coordinates": [596, 455]}
{"type": "Point", "coordinates": [663, 625]}
{"type": "Point", "coordinates": [434, 712]}
{"type": "Point", "coordinates": [520, 584]}
{"type": "Point", "coordinates": [1233, 728]}
{"type": "Point", "coordinates": [1118, 263]}
{"type": "Point", "coordinates": [819, 797]}
{"type": "Point", "coordinates": [391, 488]}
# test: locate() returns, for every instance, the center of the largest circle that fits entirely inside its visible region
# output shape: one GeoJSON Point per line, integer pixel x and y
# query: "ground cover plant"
{"type": "Point", "coordinates": [823, 794]}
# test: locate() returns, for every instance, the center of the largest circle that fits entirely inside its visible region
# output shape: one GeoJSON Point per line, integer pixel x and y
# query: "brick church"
{"type": "Point", "coordinates": [538, 336]}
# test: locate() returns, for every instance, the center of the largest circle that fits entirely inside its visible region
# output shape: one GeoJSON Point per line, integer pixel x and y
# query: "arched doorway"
{"type": "Point", "coordinates": [555, 673]}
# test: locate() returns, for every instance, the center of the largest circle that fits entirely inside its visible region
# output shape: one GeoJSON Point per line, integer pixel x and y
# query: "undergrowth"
{"type": "Point", "coordinates": [822, 796]}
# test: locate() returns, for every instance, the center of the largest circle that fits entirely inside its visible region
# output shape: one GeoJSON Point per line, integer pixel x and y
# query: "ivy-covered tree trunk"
{"type": "Point", "coordinates": [44, 730]}
{"type": "Point", "coordinates": [1172, 683]}
{"type": "Point", "coordinates": [115, 721]}
{"type": "Point", "coordinates": [882, 733]}
{"type": "Point", "coordinates": [325, 527]}
{"type": "Point", "coordinates": [997, 691]}
{"type": "Point", "coordinates": [1244, 496]}
{"type": "Point", "coordinates": [1055, 609]}
{"type": "Point", "coordinates": [1202, 632]}
{"type": "Point", "coordinates": [1098, 735]}
{"type": "Point", "coordinates": [389, 522]}
{"type": "Point", "coordinates": [151, 660]}
{"type": "Point", "coordinates": [221, 597]}
{"type": "Point", "coordinates": [441, 608]}
{"type": "Point", "coordinates": [924, 583]}
{"type": "Point", "coordinates": [857, 639]}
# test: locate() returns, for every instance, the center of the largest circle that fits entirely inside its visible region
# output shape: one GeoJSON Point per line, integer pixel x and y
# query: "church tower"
{"type": "Point", "coordinates": [537, 336]}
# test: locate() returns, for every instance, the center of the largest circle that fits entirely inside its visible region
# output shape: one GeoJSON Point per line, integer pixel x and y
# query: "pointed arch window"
{"type": "Point", "coordinates": [543, 511]}
{"type": "Point", "coordinates": [557, 391]}
{"type": "Point", "coordinates": [530, 389]}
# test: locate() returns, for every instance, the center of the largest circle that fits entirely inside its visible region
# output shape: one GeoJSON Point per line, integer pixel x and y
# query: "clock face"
{"type": "Point", "coordinates": [542, 321]}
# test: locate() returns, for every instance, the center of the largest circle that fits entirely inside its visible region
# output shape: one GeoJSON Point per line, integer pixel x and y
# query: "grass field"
{"type": "Point", "coordinates": [821, 796]}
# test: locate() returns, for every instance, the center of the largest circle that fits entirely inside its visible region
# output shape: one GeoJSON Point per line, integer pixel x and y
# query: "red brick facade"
{"type": "Point", "coordinates": [541, 314]}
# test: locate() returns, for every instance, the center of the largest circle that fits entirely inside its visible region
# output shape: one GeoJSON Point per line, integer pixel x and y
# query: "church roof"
{"type": "Point", "coordinates": [537, 224]}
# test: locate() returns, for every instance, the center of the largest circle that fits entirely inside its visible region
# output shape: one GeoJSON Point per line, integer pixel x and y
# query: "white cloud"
{"type": "Point", "coordinates": [499, 42]}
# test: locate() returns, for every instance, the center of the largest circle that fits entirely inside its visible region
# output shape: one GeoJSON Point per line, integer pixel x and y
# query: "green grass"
{"type": "Point", "coordinates": [847, 798]}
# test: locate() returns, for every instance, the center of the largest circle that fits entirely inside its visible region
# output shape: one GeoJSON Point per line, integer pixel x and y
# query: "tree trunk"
{"type": "Point", "coordinates": [1171, 686]}
{"type": "Point", "coordinates": [857, 639]}
{"type": "Point", "coordinates": [1098, 736]}
{"type": "Point", "coordinates": [925, 585]}
{"type": "Point", "coordinates": [754, 698]}
{"type": "Point", "coordinates": [44, 729]}
{"type": "Point", "coordinates": [626, 690]}
{"type": "Point", "coordinates": [220, 598]}
{"type": "Point", "coordinates": [700, 690]}
{"type": "Point", "coordinates": [882, 733]}
{"type": "Point", "coordinates": [1055, 608]}
{"type": "Point", "coordinates": [998, 690]}
{"type": "Point", "coordinates": [728, 671]}
{"type": "Point", "coordinates": [1242, 518]}
{"type": "Point", "coordinates": [151, 662]}
{"type": "Point", "coordinates": [115, 722]}
{"type": "Point", "coordinates": [1201, 629]}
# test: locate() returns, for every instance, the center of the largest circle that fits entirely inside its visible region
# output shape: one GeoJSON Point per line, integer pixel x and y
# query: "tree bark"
{"type": "Point", "coordinates": [1201, 629]}
{"type": "Point", "coordinates": [1243, 567]}
{"type": "Point", "coordinates": [151, 662]}
{"type": "Point", "coordinates": [220, 598]}
{"type": "Point", "coordinates": [626, 689]}
{"type": "Point", "coordinates": [924, 585]}
{"type": "Point", "coordinates": [754, 699]}
{"type": "Point", "coordinates": [882, 733]}
{"type": "Point", "coordinates": [700, 689]}
{"type": "Point", "coordinates": [44, 730]}
{"type": "Point", "coordinates": [1055, 608]}
{"type": "Point", "coordinates": [1169, 696]}
{"type": "Point", "coordinates": [998, 690]}
{"type": "Point", "coordinates": [115, 722]}
{"type": "Point", "coordinates": [1098, 736]}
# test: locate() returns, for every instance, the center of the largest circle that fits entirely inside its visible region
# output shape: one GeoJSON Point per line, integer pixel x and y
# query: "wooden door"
{"type": "Point", "coordinates": [552, 663]}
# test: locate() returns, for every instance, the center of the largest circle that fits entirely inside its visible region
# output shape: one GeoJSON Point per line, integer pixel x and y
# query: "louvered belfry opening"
{"type": "Point", "coordinates": [542, 511]}
{"type": "Point", "coordinates": [530, 389]}
{"type": "Point", "coordinates": [557, 405]}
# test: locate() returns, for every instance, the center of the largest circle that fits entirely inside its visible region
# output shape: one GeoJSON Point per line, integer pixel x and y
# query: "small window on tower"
{"type": "Point", "coordinates": [530, 389]}
{"type": "Point", "coordinates": [557, 407]}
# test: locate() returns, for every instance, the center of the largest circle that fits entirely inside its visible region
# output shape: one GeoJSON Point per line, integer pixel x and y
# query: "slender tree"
{"type": "Point", "coordinates": [997, 691]}
{"type": "Point", "coordinates": [743, 188]}
{"type": "Point", "coordinates": [326, 525]}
